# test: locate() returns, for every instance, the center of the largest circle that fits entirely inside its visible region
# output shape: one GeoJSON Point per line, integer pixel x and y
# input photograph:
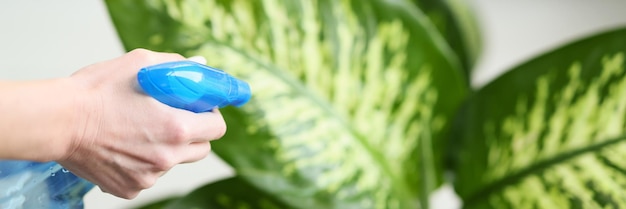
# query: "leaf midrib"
{"type": "Point", "coordinates": [399, 185]}
{"type": "Point", "coordinates": [536, 168]}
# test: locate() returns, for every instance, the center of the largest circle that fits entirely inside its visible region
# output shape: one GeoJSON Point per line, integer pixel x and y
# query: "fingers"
{"type": "Point", "coordinates": [190, 135]}
{"type": "Point", "coordinates": [214, 126]}
{"type": "Point", "coordinates": [196, 151]}
{"type": "Point", "coordinates": [200, 127]}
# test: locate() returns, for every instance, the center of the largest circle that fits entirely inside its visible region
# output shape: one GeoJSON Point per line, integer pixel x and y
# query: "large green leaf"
{"type": "Point", "coordinates": [456, 22]}
{"type": "Point", "coordinates": [159, 204]}
{"type": "Point", "coordinates": [350, 97]}
{"type": "Point", "coordinates": [550, 133]}
{"type": "Point", "coordinates": [225, 194]}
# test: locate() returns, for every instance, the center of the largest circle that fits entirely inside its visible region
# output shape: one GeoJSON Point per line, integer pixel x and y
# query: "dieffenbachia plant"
{"type": "Point", "coordinates": [550, 133]}
{"type": "Point", "coordinates": [357, 104]}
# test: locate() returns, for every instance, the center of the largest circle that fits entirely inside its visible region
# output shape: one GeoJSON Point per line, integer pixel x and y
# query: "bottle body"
{"type": "Point", "coordinates": [28, 185]}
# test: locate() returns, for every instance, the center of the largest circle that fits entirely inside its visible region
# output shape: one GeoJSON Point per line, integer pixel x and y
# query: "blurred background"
{"type": "Point", "coordinates": [47, 39]}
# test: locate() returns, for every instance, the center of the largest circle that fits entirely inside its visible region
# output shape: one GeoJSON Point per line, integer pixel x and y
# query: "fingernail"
{"type": "Point", "coordinates": [198, 59]}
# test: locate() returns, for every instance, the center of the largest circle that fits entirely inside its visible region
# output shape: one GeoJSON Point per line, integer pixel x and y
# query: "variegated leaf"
{"type": "Point", "coordinates": [349, 96]}
{"type": "Point", "coordinates": [550, 133]}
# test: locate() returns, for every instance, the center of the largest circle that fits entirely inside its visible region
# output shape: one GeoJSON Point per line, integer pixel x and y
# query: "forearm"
{"type": "Point", "coordinates": [37, 119]}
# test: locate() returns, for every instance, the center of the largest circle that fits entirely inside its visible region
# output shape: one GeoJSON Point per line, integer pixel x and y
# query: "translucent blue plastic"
{"type": "Point", "coordinates": [192, 86]}
{"type": "Point", "coordinates": [184, 84]}
{"type": "Point", "coordinates": [28, 185]}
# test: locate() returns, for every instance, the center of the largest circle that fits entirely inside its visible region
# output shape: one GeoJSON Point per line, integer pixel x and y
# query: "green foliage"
{"type": "Point", "coordinates": [229, 193]}
{"type": "Point", "coordinates": [161, 203]}
{"type": "Point", "coordinates": [456, 23]}
{"type": "Point", "coordinates": [549, 133]}
{"type": "Point", "coordinates": [357, 104]}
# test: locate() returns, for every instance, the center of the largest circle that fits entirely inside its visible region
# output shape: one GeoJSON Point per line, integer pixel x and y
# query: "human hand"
{"type": "Point", "coordinates": [126, 140]}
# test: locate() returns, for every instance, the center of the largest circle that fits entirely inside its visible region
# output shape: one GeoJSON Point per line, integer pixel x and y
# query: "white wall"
{"type": "Point", "coordinates": [45, 39]}
{"type": "Point", "coordinates": [515, 31]}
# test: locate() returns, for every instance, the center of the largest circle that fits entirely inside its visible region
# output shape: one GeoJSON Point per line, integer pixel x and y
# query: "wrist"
{"type": "Point", "coordinates": [83, 106]}
{"type": "Point", "coordinates": [68, 110]}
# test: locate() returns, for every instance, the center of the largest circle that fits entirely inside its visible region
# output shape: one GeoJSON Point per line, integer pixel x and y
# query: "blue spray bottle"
{"type": "Point", "coordinates": [184, 84]}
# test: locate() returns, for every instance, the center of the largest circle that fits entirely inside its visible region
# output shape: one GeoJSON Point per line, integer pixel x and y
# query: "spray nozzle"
{"type": "Point", "coordinates": [192, 86]}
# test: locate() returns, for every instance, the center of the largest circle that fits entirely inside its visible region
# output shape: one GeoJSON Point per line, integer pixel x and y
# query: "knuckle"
{"type": "Point", "coordinates": [174, 56]}
{"type": "Point", "coordinates": [141, 182]}
{"type": "Point", "coordinates": [174, 128]}
{"type": "Point", "coordinates": [141, 55]}
{"type": "Point", "coordinates": [145, 182]}
{"type": "Point", "coordinates": [130, 195]}
{"type": "Point", "coordinates": [139, 52]}
{"type": "Point", "coordinates": [163, 162]}
{"type": "Point", "coordinates": [178, 132]}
